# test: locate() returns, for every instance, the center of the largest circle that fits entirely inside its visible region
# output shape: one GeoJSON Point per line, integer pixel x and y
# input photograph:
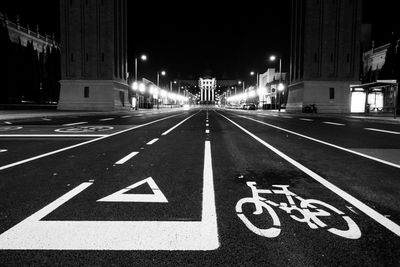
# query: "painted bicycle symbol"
{"type": "Point", "coordinates": [310, 211]}
{"type": "Point", "coordinates": [84, 129]}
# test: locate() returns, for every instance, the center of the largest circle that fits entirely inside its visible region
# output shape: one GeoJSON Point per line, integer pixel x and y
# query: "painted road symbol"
{"type": "Point", "coordinates": [309, 211]}
{"type": "Point", "coordinates": [84, 129]}
{"type": "Point", "coordinates": [35, 233]}
{"type": "Point", "coordinates": [121, 196]}
{"type": "Point", "coordinates": [9, 128]}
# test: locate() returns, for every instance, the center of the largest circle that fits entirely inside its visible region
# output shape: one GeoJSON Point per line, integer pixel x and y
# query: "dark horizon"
{"type": "Point", "coordinates": [223, 42]}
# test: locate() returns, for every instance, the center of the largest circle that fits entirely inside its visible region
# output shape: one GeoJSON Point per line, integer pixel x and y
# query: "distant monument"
{"type": "Point", "coordinates": [93, 55]}
{"type": "Point", "coordinates": [325, 54]}
{"type": "Point", "coordinates": [207, 87]}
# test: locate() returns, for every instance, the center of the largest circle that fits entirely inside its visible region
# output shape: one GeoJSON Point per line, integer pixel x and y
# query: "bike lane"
{"type": "Point", "coordinates": [242, 159]}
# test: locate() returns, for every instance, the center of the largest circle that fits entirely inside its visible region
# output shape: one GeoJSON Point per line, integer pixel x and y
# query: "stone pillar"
{"type": "Point", "coordinates": [93, 55]}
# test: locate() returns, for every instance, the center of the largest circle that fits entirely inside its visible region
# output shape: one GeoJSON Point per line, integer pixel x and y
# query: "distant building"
{"type": "Point", "coordinates": [207, 90]}
{"type": "Point", "coordinates": [23, 35]}
{"type": "Point", "coordinates": [269, 82]}
{"type": "Point", "coordinates": [325, 54]}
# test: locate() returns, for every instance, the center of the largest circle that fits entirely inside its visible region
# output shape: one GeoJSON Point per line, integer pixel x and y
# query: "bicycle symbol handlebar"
{"type": "Point", "coordinates": [308, 212]}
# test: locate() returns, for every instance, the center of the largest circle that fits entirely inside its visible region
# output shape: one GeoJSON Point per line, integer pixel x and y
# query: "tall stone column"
{"type": "Point", "coordinates": [93, 55]}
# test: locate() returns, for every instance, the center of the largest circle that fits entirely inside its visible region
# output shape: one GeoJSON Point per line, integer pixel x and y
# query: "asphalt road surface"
{"type": "Point", "coordinates": [204, 186]}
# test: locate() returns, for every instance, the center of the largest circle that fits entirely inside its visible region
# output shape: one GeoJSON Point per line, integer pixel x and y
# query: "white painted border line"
{"type": "Point", "coordinates": [126, 158]}
{"type": "Point", "coordinates": [75, 123]}
{"type": "Point", "coordinates": [304, 119]}
{"type": "Point", "coordinates": [53, 135]}
{"type": "Point", "coordinates": [34, 233]}
{"type": "Point", "coordinates": [333, 123]}
{"type": "Point", "coordinates": [382, 131]}
{"type": "Point", "coordinates": [107, 119]}
{"type": "Point", "coordinates": [81, 144]}
{"type": "Point", "coordinates": [326, 143]}
{"type": "Point", "coordinates": [379, 218]}
{"type": "Point", "coordinates": [173, 127]}
{"type": "Point", "coordinates": [152, 141]}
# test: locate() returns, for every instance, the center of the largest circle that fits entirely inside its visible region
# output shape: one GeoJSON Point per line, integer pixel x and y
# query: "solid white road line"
{"type": "Point", "coordinates": [152, 141]}
{"type": "Point", "coordinates": [382, 131]}
{"type": "Point", "coordinates": [3, 150]}
{"type": "Point", "coordinates": [326, 143]}
{"type": "Point", "coordinates": [390, 225]}
{"type": "Point", "coordinates": [333, 123]}
{"type": "Point", "coordinates": [52, 135]}
{"type": "Point", "coordinates": [34, 233]}
{"type": "Point", "coordinates": [107, 119]}
{"type": "Point", "coordinates": [304, 119]}
{"type": "Point", "coordinates": [126, 158]}
{"type": "Point", "coordinates": [173, 127]}
{"type": "Point", "coordinates": [75, 123]}
{"type": "Point", "coordinates": [82, 144]}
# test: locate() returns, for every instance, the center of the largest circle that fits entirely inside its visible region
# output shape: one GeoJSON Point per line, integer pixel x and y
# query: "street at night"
{"type": "Point", "coordinates": [175, 188]}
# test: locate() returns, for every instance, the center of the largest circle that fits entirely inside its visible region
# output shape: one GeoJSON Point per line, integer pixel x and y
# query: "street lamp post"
{"type": "Point", "coordinates": [273, 58]}
{"type": "Point", "coordinates": [143, 57]}
{"type": "Point", "coordinates": [281, 87]}
{"type": "Point", "coordinates": [163, 73]}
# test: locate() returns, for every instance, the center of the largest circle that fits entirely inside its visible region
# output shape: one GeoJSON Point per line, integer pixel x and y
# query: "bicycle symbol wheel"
{"type": "Point", "coordinates": [351, 231]}
{"type": "Point", "coordinates": [270, 232]}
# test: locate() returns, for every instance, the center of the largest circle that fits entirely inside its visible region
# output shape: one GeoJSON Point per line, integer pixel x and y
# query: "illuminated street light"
{"type": "Point", "coordinates": [143, 58]}
{"type": "Point", "coordinates": [142, 88]}
{"type": "Point", "coordinates": [281, 87]}
{"type": "Point", "coordinates": [163, 73]}
{"type": "Point", "coordinates": [135, 85]}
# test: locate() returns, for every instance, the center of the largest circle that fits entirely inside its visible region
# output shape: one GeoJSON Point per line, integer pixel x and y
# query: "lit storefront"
{"type": "Point", "coordinates": [375, 97]}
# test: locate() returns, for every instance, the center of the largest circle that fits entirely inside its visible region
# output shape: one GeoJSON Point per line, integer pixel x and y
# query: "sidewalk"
{"type": "Point", "coordinates": [380, 118]}
{"type": "Point", "coordinates": [31, 114]}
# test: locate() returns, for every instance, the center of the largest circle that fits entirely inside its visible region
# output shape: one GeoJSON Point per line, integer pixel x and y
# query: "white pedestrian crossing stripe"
{"type": "Point", "coordinates": [122, 196]}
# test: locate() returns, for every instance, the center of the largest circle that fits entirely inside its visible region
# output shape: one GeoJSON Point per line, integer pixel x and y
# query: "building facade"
{"type": "Point", "coordinates": [93, 55]}
{"type": "Point", "coordinates": [207, 90]}
{"type": "Point", "coordinates": [325, 54]}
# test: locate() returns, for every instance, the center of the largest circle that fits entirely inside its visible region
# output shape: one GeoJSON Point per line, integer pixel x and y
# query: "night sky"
{"type": "Point", "coordinates": [191, 39]}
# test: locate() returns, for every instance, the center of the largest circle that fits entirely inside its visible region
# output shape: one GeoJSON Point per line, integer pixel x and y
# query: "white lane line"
{"type": "Point", "coordinates": [3, 150]}
{"type": "Point", "coordinates": [304, 119]}
{"type": "Point", "coordinates": [82, 144]}
{"type": "Point", "coordinates": [207, 131]}
{"type": "Point", "coordinates": [326, 143]}
{"type": "Point", "coordinates": [107, 119]}
{"type": "Point", "coordinates": [75, 123]}
{"type": "Point", "coordinates": [382, 131]}
{"type": "Point", "coordinates": [390, 225]}
{"type": "Point", "coordinates": [152, 141]}
{"type": "Point", "coordinates": [7, 122]}
{"type": "Point", "coordinates": [46, 119]}
{"type": "Point", "coordinates": [53, 135]}
{"type": "Point", "coordinates": [333, 123]}
{"type": "Point", "coordinates": [126, 158]}
{"type": "Point", "coordinates": [127, 116]}
{"type": "Point", "coordinates": [34, 233]}
{"type": "Point", "coordinates": [173, 127]}
{"type": "Point", "coordinates": [207, 124]}
{"type": "Point", "coordinates": [286, 117]}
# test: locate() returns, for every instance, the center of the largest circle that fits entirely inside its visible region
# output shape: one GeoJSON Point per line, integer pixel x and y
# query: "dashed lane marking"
{"type": "Point", "coordinates": [3, 150]}
{"type": "Point", "coordinates": [75, 123]}
{"type": "Point", "coordinates": [126, 158]}
{"type": "Point", "coordinates": [304, 119]}
{"type": "Point", "coordinates": [379, 218]}
{"type": "Point", "coordinates": [325, 143]}
{"type": "Point", "coordinates": [7, 122]}
{"type": "Point", "coordinates": [152, 141]}
{"type": "Point", "coordinates": [127, 116]}
{"type": "Point", "coordinates": [333, 123]}
{"type": "Point", "coordinates": [382, 131]}
{"type": "Point", "coordinates": [175, 126]}
{"type": "Point", "coordinates": [46, 119]}
{"type": "Point", "coordinates": [33, 233]}
{"type": "Point", "coordinates": [9, 128]}
{"type": "Point", "coordinates": [82, 144]}
{"type": "Point", "coordinates": [207, 131]}
{"type": "Point", "coordinates": [107, 119]}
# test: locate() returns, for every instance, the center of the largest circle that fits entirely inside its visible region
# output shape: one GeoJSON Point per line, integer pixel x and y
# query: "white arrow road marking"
{"type": "Point", "coordinates": [120, 195]}
{"type": "Point", "coordinates": [34, 233]}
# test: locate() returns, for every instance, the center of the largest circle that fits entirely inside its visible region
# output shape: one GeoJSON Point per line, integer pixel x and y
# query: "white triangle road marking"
{"type": "Point", "coordinates": [120, 196]}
